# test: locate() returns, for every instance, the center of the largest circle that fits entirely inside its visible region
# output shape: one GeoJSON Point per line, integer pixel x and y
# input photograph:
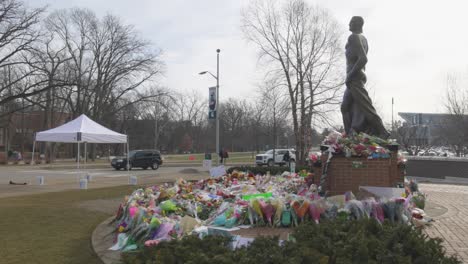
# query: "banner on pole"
{"type": "Point", "coordinates": [213, 105]}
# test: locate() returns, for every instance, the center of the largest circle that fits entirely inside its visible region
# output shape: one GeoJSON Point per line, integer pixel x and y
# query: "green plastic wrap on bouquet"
{"type": "Point", "coordinates": [155, 222]}
{"type": "Point", "coordinates": [168, 206]}
{"type": "Point", "coordinates": [257, 212]}
{"type": "Point", "coordinates": [248, 197]}
{"type": "Point", "coordinates": [419, 200]}
{"type": "Point", "coordinates": [286, 217]}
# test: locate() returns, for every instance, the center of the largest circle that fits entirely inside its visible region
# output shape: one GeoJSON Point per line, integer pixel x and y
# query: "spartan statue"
{"type": "Point", "coordinates": [358, 113]}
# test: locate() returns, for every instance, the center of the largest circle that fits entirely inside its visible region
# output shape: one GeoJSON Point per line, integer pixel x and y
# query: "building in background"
{"type": "Point", "coordinates": [422, 129]}
{"type": "Point", "coordinates": [17, 129]}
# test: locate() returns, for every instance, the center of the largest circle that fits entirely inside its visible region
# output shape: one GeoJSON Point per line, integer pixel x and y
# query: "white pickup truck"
{"type": "Point", "coordinates": [267, 157]}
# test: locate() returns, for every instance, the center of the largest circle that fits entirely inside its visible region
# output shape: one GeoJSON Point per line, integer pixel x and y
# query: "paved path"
{"type": "Point", "coordinates": [451, 226]}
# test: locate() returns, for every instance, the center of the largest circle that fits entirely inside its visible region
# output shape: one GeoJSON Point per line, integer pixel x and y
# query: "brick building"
{"type": "Point", "coordinates": [17, 129]}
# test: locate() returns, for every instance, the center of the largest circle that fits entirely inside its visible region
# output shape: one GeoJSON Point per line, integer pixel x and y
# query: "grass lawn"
{"type": "Point", "coordinates": [50, 227]}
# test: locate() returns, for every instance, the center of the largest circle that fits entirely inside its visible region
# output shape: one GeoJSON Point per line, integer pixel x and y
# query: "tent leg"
{"type": "Point", "coordinates": [128, 157]}
{"type": "Point", "coordinates": [86, 157]}
{"type": "Point", "coordinates": [128, 161]}
{"type": "Point", "coordinates": [32, 157]}
{"type": "Point", "coordinates": [78, 158]}
{"type": "Point", "coordinates": [78, 163]}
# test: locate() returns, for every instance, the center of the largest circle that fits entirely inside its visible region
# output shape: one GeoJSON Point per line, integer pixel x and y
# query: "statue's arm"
{"type": "Point", "coordinates": [357, 48]}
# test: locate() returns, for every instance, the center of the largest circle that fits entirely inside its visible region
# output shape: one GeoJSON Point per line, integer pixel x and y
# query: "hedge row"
{"type": "Point", "coordinates": [263, 170]}
{"type": "Point", "coordinates": [363, 241]}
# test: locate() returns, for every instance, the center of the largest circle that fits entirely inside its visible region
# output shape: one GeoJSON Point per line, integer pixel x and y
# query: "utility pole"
{"type": "Point", "coordinates": [218, 106]}
{"type": "Point", "coordinates": [392, 118]}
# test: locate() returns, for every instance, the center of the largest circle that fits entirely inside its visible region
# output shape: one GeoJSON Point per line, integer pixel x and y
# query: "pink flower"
{"type": "Point", "coordinates": [313, 157]}
{"type": "Point", "coordinates": [133, 211]}
{"type": "Point", "coordinates": [151, 243]}
{"type": "Point", "coordinates": [315, 211]}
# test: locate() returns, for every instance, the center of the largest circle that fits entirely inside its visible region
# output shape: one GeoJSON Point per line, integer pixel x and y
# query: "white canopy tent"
{"type": "Point", "coordinates": [80, 130]}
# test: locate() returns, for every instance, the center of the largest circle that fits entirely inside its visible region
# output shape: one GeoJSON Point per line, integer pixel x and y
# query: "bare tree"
{"type": "Point", "coordinates": [255, 123]}
{"type": "Point", "coordinates": [191, 109]}
{"type": "Point", "coordinates": [276, 105]}
{"type": "Point", "coordinates": [190, 106]}
{"type": "Point", "coordinates": [48, 60]}
{"type": "Point", "coordinates": [104, 66]}
{"type": "Point", "coordinates": [124, 63]}
{"type": "Point", "coordinates": [71, 28]}
{"type": "Point", "coordinates": [161, 110]}
{"type": "Point", "coordinates": [109, 62]}
{"type": "Point", "coordinates": [454, 130]}
{"type": "Point", "coordinates": [408, 136]}
{"type": "Point", "coordinates": [234, 119]}
{"type": "Point", "coordinates": [301, 44]}
{"type": "Point", "coordinates": [18, 32]}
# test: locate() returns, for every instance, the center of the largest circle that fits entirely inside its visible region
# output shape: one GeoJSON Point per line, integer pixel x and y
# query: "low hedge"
{"type": "Point", "coordinates": [276, 170]}
{"type": "Point", "coordinates": [363, 241]}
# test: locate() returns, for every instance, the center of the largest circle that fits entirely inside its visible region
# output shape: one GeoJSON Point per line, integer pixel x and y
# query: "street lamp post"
{"type": "Point", "coordinates": [217, 101]}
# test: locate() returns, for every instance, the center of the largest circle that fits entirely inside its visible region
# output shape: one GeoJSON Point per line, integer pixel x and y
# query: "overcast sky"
{"type": "Point", "coordinates": [414, 44]}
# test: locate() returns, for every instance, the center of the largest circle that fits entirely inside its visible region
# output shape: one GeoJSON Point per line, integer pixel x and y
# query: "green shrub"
{"type": "Point", "coordinates": [263, 170]}
{"type": "Point", "coordinates": [190, 250]}
{"type": "Point", "coordinates": [364, 241]}
{"type": "Point", "coordinates": [367, 241]}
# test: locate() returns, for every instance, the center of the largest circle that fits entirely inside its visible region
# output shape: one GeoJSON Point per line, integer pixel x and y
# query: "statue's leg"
{"type": "Point", "coordinates": [346, 110]}
{"type": "Point", "coordinates": [359, 123]}
{"type": "Point", "coordinates": [365, 118]}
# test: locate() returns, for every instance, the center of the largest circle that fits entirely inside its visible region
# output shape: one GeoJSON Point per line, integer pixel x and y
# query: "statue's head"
{"type": "Point", "coordinates": [356, 23]}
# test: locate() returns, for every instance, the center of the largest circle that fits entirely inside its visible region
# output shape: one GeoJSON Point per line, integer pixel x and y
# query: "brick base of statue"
{"type": "Point", "coordinates": [347, 174]}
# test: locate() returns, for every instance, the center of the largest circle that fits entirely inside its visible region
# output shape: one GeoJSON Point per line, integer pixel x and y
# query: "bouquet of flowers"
{"type": "Point", "coordinates": [359, 145]}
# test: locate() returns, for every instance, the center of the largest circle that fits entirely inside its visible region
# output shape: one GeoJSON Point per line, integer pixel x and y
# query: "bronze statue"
{"type": "Point", "coordinates": [358, 113]}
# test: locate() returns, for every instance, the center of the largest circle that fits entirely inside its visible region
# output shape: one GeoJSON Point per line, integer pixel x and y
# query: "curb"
{"type": "Point", "coordinates": [101, 243]}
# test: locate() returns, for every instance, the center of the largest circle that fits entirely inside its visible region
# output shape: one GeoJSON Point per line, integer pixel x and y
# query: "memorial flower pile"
{"type": "Point", "coordinates": [360, 145]}
{"type": "Point", "coordinates": [165, 212]}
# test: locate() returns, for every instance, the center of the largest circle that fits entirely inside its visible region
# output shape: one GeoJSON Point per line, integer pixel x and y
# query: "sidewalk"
{"type": "Point", "coordinates": [444, 180]}
{"type": "Point", "coordinates": [451, 226]}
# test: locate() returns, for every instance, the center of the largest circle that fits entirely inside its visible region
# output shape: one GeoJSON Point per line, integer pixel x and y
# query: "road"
{"type": "Point", "coordinates": [59, 179]}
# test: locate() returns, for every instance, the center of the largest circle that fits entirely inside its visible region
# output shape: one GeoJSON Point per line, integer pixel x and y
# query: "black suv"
{"type": "Point", "coordinates": [139, 158]}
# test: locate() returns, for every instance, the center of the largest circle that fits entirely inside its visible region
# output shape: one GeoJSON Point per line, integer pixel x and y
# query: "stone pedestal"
{"type": "Point", "coordinates": [347, 174]}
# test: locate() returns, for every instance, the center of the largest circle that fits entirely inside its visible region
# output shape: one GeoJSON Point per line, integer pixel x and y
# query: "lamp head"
{"type": "Point", "coordinates": [203, 72]}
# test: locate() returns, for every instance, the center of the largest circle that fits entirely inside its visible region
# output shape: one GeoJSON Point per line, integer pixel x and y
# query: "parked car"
{"type": "Point", "coordinates": [139, 158]}
{"type": "Point", "coordinates": [267, 157]}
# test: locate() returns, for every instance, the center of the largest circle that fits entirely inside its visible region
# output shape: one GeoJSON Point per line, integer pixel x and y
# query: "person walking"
{"type": "Point", "coordinates": [287, 158]}
{"type": "Point", "coordinates": [221, 156]}
{"type": "Point", "coordinates": [225, 155]}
